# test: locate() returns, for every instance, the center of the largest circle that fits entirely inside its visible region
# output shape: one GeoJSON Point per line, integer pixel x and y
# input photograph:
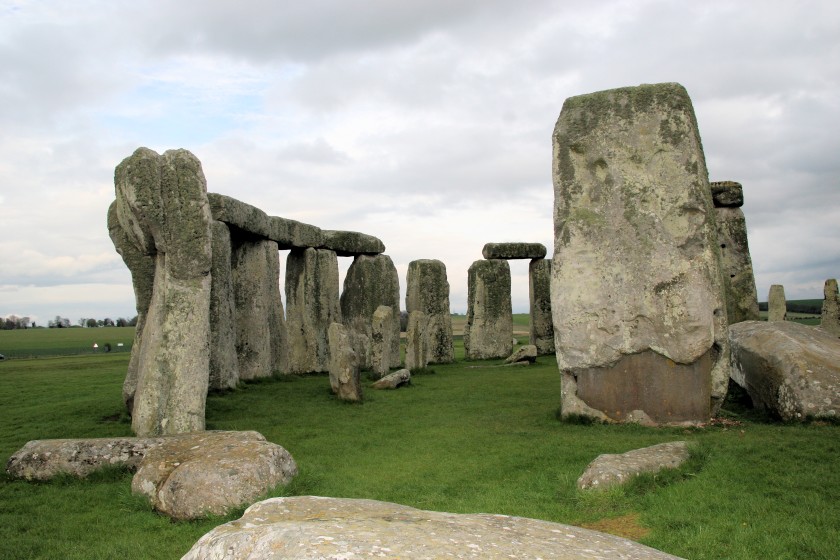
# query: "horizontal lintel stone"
{"type": "Point", "coordinates": [351, 243]}
{"type": "Point", "coordinates": [514, 251]}
{"type": "Point", "coordinates": [285, 232]}
{"type": "Point", "coordinates": [727, 194]}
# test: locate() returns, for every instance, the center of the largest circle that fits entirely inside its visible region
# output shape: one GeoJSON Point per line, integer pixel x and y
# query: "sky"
{"type": "Point", "coordinates": [425, 123]}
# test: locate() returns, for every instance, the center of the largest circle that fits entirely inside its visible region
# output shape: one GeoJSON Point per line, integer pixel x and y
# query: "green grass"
{"type": "Point", "coordinates": [460, 440]}
{"type": "Point", "coordinates": [28, 343]}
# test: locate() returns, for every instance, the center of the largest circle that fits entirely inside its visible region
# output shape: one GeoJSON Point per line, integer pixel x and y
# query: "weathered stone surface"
{"type": "Point", "coordinates": [541, 331]}
{"type": "Point", "coordinates": [291, 234]}
{"type": "Point", "coordinates": [830, 318]}
{"type": "Point", "coordinates": [416, 341]}
{"type": "Point", "coordinates": [488, 332]}
{"type": "Point", "coordinates": [311, 306]}
{"type": "Point", "coordinates": [727, 194]}
{"type": "Point", "coordinates": [352, 243]}
{"type": "Point", "coordinates": [308, 527]}
{"type": "Point", "coordinates": [516, 250]}
{"type": "Point", "coordinates": [610, 470]}
{"type": "Point", "coordinates": [738, 277]}
{"type": "Point", "coordinates": [261, 339]}
{"type": "Point", "coordinates": [44, 459]}
{"type": "Point", "coordinates": [636, 261]}
{"type": "Point", "coordinates": [209, 473]}
{"type": "Point", "coordinates": [288, 234]}
{"type": "Point", "coordinates": [427, 290]}
{"type": "Point", "coordinates": [790, 369]}
{"type": "Point", "coordinates": [776, 303]}
{"type": "Point", "coordinates": [381, 343]}
{"type": "Point", "coordinates": [393, 380]}
{"type": "Point", "coordinates": [371, 281]}
{"type": "Point", "coordinates": [527, 353]}
{"type": "Point", "coordinates": [224, 366]}
{"type": "Point", "coordinates": [345, 380]}
{"type": "Point", "coordinates": [163, 209]}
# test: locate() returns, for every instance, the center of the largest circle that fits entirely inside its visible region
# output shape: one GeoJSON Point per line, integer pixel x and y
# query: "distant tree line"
{"type": "Point", "coordinates": [14, 322]}
{"type": "Point", "coordinates": [811, 307]}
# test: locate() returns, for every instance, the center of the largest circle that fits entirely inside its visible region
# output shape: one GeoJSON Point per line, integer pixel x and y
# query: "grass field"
{"type": "Point", "coordinates": [33, 343]}
{"type": "Point", "coordinates": [458, 439]}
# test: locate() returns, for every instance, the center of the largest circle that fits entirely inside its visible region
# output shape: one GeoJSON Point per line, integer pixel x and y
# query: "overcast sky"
{"type": "Point", "coordinates": [425, 123]}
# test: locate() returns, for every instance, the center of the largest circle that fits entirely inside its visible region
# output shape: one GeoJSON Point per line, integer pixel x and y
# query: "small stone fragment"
{"type": "Point", "coordinates": [609, 470]}
{"type": "Point", "coordinates": [527, 353]}
{"type": "Point", "coordinates": [393, 380]}
{"type": "Point", "coordinates": [776, 303]}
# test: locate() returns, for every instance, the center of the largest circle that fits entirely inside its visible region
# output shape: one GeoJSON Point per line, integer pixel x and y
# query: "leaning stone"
{"type": "Point", "coordinates": [394, 380]}
{"type": "Point", "coordinates": [224, 367]}
{"type": "Point", "coordinates": [789, 369]}
{"type": "Point", "coordinates": [345, 380]}
{"type": "Point", "coordinates": [527, 353]}
{"type": "Point", "coordinates": [210, 473]}
{"type": "Point", "coordinates": [382, 334]}
{"type": "Point", "coordinates": [416, 342]}
{"type": "Point", "coordinates": [727, 194]}
{"type": "Point", "coordinates": [351, 243]}
{"type": "Point", "coordinates": [513, 251]}
{"type": "Point", "coordinates": [776, 303]}
{"type": "Point", "coordinates": [738, 277]}
{"type": "Point", "coordinates": [488, 332]}
{"type": "Point", "coordinates": [541, 330]}
{"type": "Point", "coordinates": [610, 470]}
{"type": "Point", "coordinates": [830, 318]}
{"type": "Point", "coordinates": [427, 290]}
{"type": "Point", "coordinates": [636, 291]}
{"type": "Point", "coordinates": [162, 206]}
{"type": "Point", "coordinates": [46, 458]}
{"type": "Point", "coordinates": [310, 527]}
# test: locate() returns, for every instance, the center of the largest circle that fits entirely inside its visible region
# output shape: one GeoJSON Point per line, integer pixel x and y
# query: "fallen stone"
{"type": "Point", "coordinates": [541, 330]}
{"type": "Point", "coordinates": [209, 473]}
{"type": "Point", "coordinates": [309, 527]}
{"type": "Point", "coordinates": [830, 317]}
{"type": "Point", "coordinates": [488, 332]}
{"type": "Point", "coordinates": [427, 290]}
{"type": "Point", "coordinates": [527, 353]}
{"type": "Point", "coordinates": [513, 251]}
{"type": "Point", "coordinates": [776, 303]}
{"type": "Point", "coordinates": [345, 379]}
{"type": "Point", "coordinates": [610, 470]}
{"type": "Point", "coordinates": [789, 369]}
{"type": "Point", "coordinates": [351, 243]}
{"type": "Point", "coordinates": [727, 194]}
{"type": "Point", "coordinates": [394, 380]}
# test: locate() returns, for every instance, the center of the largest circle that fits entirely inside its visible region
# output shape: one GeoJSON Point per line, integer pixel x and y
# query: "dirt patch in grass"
{"type": "Point", "coordinates": [626, 526]}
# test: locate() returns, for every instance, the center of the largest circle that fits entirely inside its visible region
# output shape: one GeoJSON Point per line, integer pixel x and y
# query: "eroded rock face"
{"type": "Point", "coordinates": [541, 332]}
{"type": "Point", "coordinates": [416, 341]}
{"type": "Point", "coordinates": [163, 210]}
{"type": "Point", "coordinates": [345, 380]}
{"type": "Point", "coordinates": [790, 369]}
{"type": "Point", "coordinates": [727, 194]}
{"type": "Point", "coordinates": [776, 303]}
{"type": "Point", "coordinates": [488, 332]}
{"type": "Point", "coordinates": [527, 353]}
{"type": "Point", "coordinates": [308, 527]}
{"type": "Point", "coordinates": [636, 264]}
{"type": "Point", "coordinates": [381, 344]}
{"type": "Point", "coordinates": [830, 318]}
{"type": "Point", "coordinates": [427, 290]}
{"type": "Point", "coordinates": [224, 365]}
{"type": "Point", "coordinates": [613, 469]}
{"type": "Point", "coordinates": [516, 250]}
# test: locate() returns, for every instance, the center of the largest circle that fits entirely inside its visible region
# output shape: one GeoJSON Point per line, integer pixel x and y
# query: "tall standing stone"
{"type": "Point", "coordinates": [776, 303]}
{"type": "Point", "coordinates": [830, 318]}
{"type": "Point", "coordinates": [311, 306]}
{"type": "Point", "coordinates": [488, 332]}
{"type": "Point", "coordinates": [539, 291]}
{"type": "Point", "coordinates": [427, 290]}
{"type": "Point", "coordinates": [345, 379]}
{"type": "Point", "coordinates": [162, 207]}
{"type": "Point", "coordinates": [382, 335]}
{"type": "Point", "coordinates": [416, 341]}
{"type": "Point", "coordinates": [224, 366]}
{"type": "Point", "coordinates": [371, 281]}
{"type": "Point", "coordinates": [636, 290]}
{"type": "Point", "coordinates": [738, 277]}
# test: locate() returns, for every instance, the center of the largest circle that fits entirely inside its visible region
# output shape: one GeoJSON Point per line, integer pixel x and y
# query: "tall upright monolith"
{"type": "Point", "coordinates": [636, 290]}
{"type": "Point", "coordinates": [541, 332]}
{"type": "Point", "coordinates": [488, 332]}
{"type": "Point", "coordinates": [427, 290]}
{"type": "Point", "coordinates": [416, 341]}
{"type": "Point", "coordinates": [224, 365]}
{"type": "Point", "coordinates": [381, 340]}
{"type": "Point", "coordinates": [776, 303]}
{"type": "Point", "coordinates": [830, 317]}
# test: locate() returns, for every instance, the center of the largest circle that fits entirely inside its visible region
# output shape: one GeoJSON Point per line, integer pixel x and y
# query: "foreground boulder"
{"type": "Point", "coordinates": [209, 473]}
{"type": "Point", "coordinates": [307, 527]}
{"type": "Point", "coordinates": [611, 469]}
{"type": "Point", "coordinates": [789, 369]}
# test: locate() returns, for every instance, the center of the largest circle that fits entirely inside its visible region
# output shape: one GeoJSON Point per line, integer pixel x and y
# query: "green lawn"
{"type": "Point", "coordinates": [25, 343]}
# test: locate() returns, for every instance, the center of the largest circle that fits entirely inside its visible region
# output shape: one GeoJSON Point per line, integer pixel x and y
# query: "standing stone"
{"type": "Point", "coordinates": [382, 335]}
{"type": "Point", "coordinates": [830, 318]}
{"type": "Point", "coordinates": [427, 290]}
{"type": "Point", "coordinates": [162, 207]}
{"type": "Point", "coordinates": [636, 290]}
{"type": "Point", "coordinates": [488, 332]}
{"type": "Point", "coordinates": [416, 341]}
{"type": "Point", "coordinates": [371, 281]}
{"type": "Point", "coordinates": [345, 380]}
{"type": "Point", "coordinates": [260, 325]}
{"type": "Point", "coordinates": [738, 277]}
{"type": "Point", "coordinates": [311, 306]}
{"type": "Point", "coordinates": [776, 303]}
{"type": "Point", "coordinates": [224, 367]}
{"type": "Point", "coordinates": [539, 290]}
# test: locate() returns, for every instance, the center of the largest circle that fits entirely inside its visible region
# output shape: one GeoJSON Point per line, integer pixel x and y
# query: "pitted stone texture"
{"type": "Point", "coordinates": [162, 207]}
{"type": "Point", "coordinates": [727, 194]}
{"type": "Point", "coordinates": [427, 290]}
{"type": "Point", "coordinates": [738, 277]}
{"type": "Point", "coordinates": [830, 318]}
{"type": "Point", "coordinates": [286, 233]}
{"type": "Point", "coordinates": [311, 306]}
{"type": "Point", "coordinates": [345, 380]}
{"type": "Point", "coordinates": [416, 341]}
{"type": "Point", "coordinates": [46, 458]}
{"type": "Point", "coordinates": [382, 335]}
{"type": "Point", "coordinates": [527, 353]}
{"type": "Point", "coordinates": [515, 250]}
{"type": "Point", "coordinates": [541, 333]}
{"type": "Point", "coordinates": [488, 332]}
{"type": "Point", "coordinates": [224, 366]}
{"type": "Point", "coordinates": [394, 380]}
{"type": "Point", "coordinates": [209, 473]}
{"type": "Point", "coordinates": [308, 527]}
{"type": "Point", "coordinates": [636, 259]}
{"type": "Point", "coordinates": [610, 470]}
{"type": "Point", "coordinates": [776, 303]}
{"type": "Point", "coordinates": [790, 369]}
{"type": "Point", "coordinates": [371, 281]}
{"type": "Point", "coordinates": [352, 243]}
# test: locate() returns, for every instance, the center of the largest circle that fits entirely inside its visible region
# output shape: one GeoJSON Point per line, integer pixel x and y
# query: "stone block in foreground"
{"type": "Point", "coordinates": [310, 527]}
{"type": "Point", "coordinates": [517, 250]}
{"type": "Point", "coordinates": [613, 469]}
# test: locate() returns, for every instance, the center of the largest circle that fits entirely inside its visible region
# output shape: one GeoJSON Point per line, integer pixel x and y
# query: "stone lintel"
{"type": "Point", "coordinates": [727, 194]}
{"type": "Point", "coordinates": [514, 251]}
{"type": "Point", "coordinates": [287, 233]}
{"type": "Point", "coordinates": [351, 243]}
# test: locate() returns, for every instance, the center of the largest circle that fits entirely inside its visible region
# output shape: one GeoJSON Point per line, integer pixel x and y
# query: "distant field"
{"type": "Point", "coordinates": [35, 343]}
{"type": "Point", "coordinates": [521, 324]}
